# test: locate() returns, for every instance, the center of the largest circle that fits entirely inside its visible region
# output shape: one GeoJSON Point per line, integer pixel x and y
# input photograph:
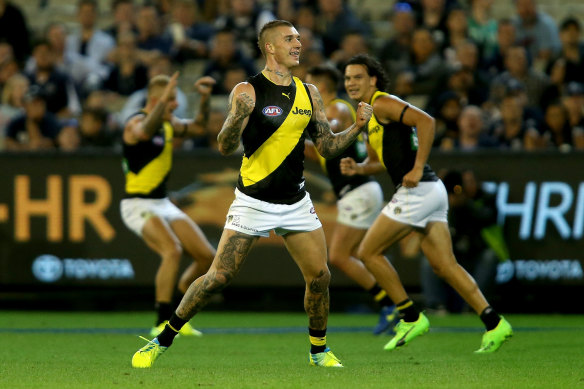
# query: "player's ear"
{"type": "Point", "coordinates": [373, 81]}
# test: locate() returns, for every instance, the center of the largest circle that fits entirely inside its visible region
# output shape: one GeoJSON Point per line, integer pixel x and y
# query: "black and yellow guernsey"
{"type": "Point", "coordinates": [147, 164]}
{"type": "Point", "coordinates": [396, 145]}
{"type": "Point", "coordinates": [273, 142]}
{"type": "Point", "coordinates": [357, 150]}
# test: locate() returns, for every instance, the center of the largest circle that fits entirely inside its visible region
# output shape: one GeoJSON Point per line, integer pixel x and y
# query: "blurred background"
{"type": "Point", "coordinates": [504, 80]}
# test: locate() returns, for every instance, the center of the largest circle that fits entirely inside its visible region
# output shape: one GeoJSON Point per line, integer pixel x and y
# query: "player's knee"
{"type": "Point", "coordinates": [173, 253]}
{"type": "Point", "coordinates": [443, 270]}
{"type": "Point", "coordinates": [217, 281]}
{"type": "Point", "coordinates": [364, 254]}
{"type": "Point", "coordinates": [320, 282]}
{"type": "Point", "coordinates": [337, 258]}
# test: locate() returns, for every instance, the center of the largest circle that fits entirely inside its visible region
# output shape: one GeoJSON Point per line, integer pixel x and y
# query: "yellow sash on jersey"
{"type": "Point", "coordinates": [152, 175]}
{"type": "Point", "coordinates": [375, 130]}
{"type": "Point", "coordinates": [280, 144]}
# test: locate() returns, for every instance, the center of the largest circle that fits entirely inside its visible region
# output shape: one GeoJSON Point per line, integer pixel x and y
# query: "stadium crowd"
{"type": "Point", "coordinates": [513, 83]}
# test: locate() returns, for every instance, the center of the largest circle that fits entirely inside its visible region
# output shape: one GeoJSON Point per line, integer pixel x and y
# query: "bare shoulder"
{"type": "Point", "coordinates": [132, 131]}
{"type": "Point", "coordinates": [243, 87]}
{"type": "Point", "coordinates": [388, 107]}
{"type": "Point", "coordinates": [312, 89]}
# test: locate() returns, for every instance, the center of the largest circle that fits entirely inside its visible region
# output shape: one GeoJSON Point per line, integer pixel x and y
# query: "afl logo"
{"type": "Point", "coordinates": [272, 110]}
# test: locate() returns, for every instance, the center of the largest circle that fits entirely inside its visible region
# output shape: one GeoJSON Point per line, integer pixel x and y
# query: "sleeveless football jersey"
{"type": "Point", "coordinates": [357, 150]}
{"type": "Point", "coordinates": [273, 142]}
{"type": "Point", "coordinates": [147, 164]}
{"type": "Point", "coordinates": [396, 145]}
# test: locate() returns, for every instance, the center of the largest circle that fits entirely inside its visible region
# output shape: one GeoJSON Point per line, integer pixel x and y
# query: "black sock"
{"type": "Point", "coordinates": [317, 340]}
{"type": "Point", "coordinates": [164, 312]}
{"type": "Point", "coordinates": [380, 296]}
{"type": "Point", "coordinates": [177, 298]}
{"type": "Point", "coordinates": [407, 311]}
{"type": "Point", "coordinates": [490, 318]}
{"type": "Point", "coordinates": [171, 330]}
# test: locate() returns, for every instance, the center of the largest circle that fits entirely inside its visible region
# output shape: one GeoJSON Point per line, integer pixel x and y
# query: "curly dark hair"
{"type": "Point", "coordinates": [374, 68]}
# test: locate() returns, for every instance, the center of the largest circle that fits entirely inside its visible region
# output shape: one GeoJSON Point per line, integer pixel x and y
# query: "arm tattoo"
{"type": "Point", "coordinates": [328, 144]}
{"type": "Point", "coordinates": [204, 109]}
{"type": "Point", "coordinates": [153, 120]}
{"type": "Point", "coordinates": [230, 134]}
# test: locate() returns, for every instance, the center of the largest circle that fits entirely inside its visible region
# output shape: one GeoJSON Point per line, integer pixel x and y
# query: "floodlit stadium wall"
{"type": "Point", "coordinates": [60, 226]}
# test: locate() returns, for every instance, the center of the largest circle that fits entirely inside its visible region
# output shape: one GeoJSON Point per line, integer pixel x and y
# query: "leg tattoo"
{"type": "Point", "coordinates": [227, 263]}
{"type": "Point", "coordinates": [316, 301]}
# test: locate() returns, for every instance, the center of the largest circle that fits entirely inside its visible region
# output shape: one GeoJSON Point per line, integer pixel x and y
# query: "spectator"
{"type": "Point", "coordinates": [57, 87]}
{"type": "Point", "coordinates": [394, 54]}
{"type": "Point", "coordinates": [557, 132]}
{"type": "Point", "coordinates": [8, 65]}
{"type": "Point", "coordinates": [123, 12]}
{"type": "Point", "coordinates": [482, 28]}
{"type": "Point", "coordinates": [225, 54]}
{"type": "Point", "coordinates": [427, 66]}
{"type": "Point", "coordinates": [517, 67]}
{"type": "Point", "coordinates": [245, 19]}
{"type": "Point", "coordinates": [537, 32]}
{"type": "Point", "coordinates": [336, 20]}
{"type": "Point", "coordinates": [506, 37]}
{"type": "Point", "coordinates": [456, 32]}
{"type": "Point", "coordinates": [137, 100]}
{"type": "Point", "coordinates": [472, 133]}
{"type": "Point", "coordinates": [12, 102]}
{"type": "Point", "coordinates": [14, 30]}
{"type": "Point", "coordinates": [306, 20]}
{"type": "Point", "coordinates": [233, 75]}
{"type": "Point", "coordinates": [433, 15]}
{"type": "Point", "coordinates": [93, 132]}
{"type": "Point", "coordinates": [352, 44]}
{"type": "Point", "coordinates": [128, 73]}
{"type": "Point", "coordinates": [190, 36]}
{"type": "Point", "coordinates": [446, 112]}
{"type": "Point", "coordinates": [511, 131]}
{"type": "Point", "coordinates": [573, 100]}
{"type": "Point", "coordinates": [35, 129]}
{"type": "Point", "coordinates": [89, 45]}
{"type": "Point", "coordinates": [477, 240]}
{"type": "Point", "coordinates": [151, 39]}
{"type": "Point", "coordinates": [567, 66]}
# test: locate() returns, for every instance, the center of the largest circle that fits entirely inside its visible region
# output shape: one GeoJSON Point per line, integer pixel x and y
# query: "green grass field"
{"type": "Point", "coordinates": [262, 350]}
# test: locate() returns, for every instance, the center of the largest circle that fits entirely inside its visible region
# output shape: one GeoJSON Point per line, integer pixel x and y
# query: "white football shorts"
{"type": "Point", "coordinates": [359, 208]}
{"type": "Point", "coordinates": [136, 211]}
{"type": "Point", "coordinates": [427, 202]}
{"type": "Point", "coordinates": [256, 217]}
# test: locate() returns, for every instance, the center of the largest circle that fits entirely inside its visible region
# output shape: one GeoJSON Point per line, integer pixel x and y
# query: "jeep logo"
{"type": "Point", "coordinates": [298, 111]}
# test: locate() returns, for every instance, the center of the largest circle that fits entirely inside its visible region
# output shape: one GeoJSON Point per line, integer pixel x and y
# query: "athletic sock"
{"type": "Point", "coordinates": [164, 311]}
{"type": "Point", "coordinates": [490, 318]}
{"type": "Point", "coordinates": [407, 311]}
{"type": "Point", "coordinates": [171, 330]}
{"type": "Point", "coordinates": [177, 298]}
{"type": "Point", "coordinates": [317, 340]}
{"type": "Point", "coordinates": [380, 296]}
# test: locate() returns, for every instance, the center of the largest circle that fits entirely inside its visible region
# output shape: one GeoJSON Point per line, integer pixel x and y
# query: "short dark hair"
{"type": "Point", "coordinates": [374, 69]}
{"type": "Point", "coordinates": [569, 22]}
{"type": "Point", "coordinates": [269, 26]}
{"type": "Point", "coordinates": [329, 72]}
{"type": "Point", "coordinates": [93, 3]}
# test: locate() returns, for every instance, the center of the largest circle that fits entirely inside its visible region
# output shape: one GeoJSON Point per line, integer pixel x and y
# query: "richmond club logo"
{"type": "Point", "coordinates": [272, 110]}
